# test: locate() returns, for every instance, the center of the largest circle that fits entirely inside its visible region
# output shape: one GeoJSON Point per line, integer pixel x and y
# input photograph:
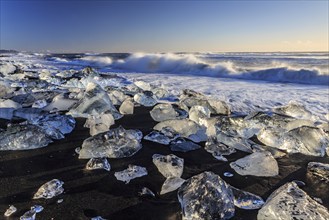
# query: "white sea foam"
{"type": "Point", "coordinates": [97, 60]}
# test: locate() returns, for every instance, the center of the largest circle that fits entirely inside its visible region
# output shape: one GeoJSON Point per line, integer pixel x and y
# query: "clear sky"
{"type": "Point", "coordinates": [164, 26]}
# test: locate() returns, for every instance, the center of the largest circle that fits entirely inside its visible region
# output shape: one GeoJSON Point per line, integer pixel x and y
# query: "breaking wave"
{"type": "Point", "coordinates": [193, 65]}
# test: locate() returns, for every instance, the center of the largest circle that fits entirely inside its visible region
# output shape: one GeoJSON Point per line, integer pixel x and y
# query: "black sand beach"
{"type": "Point", "coordinates": [98, 193]}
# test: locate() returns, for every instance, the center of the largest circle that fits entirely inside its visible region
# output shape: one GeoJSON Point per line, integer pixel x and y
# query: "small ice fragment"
{"type": "Point", "coordinates": [11, 210]}
{"type": "Point", "coordinates": [60, 201]}
{"type": "Point", "coordinates": [246, 200]}
{"type": "Point", "coordinates": [228, 174]}
{"type": "Point", "coordinates": [171, 184]}
{"type": "Point", "coordinates": [299, 183]}
{"type": "Point", "coordinates": [98, 218]}
{"type": "Point", "coordinates": [50, 189]}
{"type": "Point", "coordinates": [169, 166]}
{"type": "Point", "coordinates": [130, 173]}
{"type": "Point", "coordinates": [98, 163]}
{"type": "Point", "coordinates": [318, 200]}
{"type": "Point", "coordinates": [30, 215]}
{"type": "Point", "coordinates": [218, 149]}
{"type": "Point", "coordinates": [146, 99]}
{"type": "Point", "coordinates": [166, 111]}
{"type": "Point", "coordinates": [39, 104]}
{"type": "Point", "coordinates": [127, 107]}
{"type": "Point", "coordinates": [146, 191]}
{"type": "Point", "coordinates": [183, 145]}
{"type": "Point", "coordinates": [77, 150]}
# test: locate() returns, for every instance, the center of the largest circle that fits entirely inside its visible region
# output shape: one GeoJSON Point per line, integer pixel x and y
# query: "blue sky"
{"type": "Point", "coordinates": [164, 26]}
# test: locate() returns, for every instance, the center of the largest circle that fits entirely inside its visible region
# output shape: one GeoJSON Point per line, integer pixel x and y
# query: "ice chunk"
{"type": "Point", "coordinates": [166, 111]}
{"type": "Point", "coordinates": [28, 113]}
{"type": "Point", "coordinates": [246, 200]}
{"type": "Point", "coordinates": [198, 114]}
{"type": "Point", "coordinates": [115, 143]}
{"type": "Point", "coordinates": [98, 163]}
{"type": "Point", "coordinates": [186, 128]}
{"type": "Point", "coordinates": [290, 202]}
{"type": "Point", "coordinates": [206, 196]}
{"type": "Point", "coordinates": [60, 103]}
{"type": "Point", "coordinates": [39, 104]}
{"type": "Point", "coordinates": [11, 210]}
{"type": "Point", "coordinates": [219, 107]}
{"type": "Point", "coordinates": [146, 99]}
{"type": "Point", "coordinates": [171, 184]}
{"type": "Point", "coordinates": [7, 68]}
{"type": "Point", "coordinates": [183, 145]}
{"type": "Point", "coordinates": [236, 142]}
{"type": "Point", "coordinates": [127, 107]}
{"type": "Point", "coordinates": [55, 126]}
{"type": "Point", "coordinates": [130, 173]}
{"type": "Point", "coordinates": [158, 137]}
{"type": "Point", "coordinates": [94, 102]}
{"type": "Point", "coordinates": [169, 166]}
{"type": "Point", "coordinates": [98, 218]}
{"type": "Point", "coordinates": [318, 169]}
{"type": "Point", "coordinates": [9, 104]}
{"type": "Point", "coordinates": [23, 137]}
{"type": "Point", "coordinates": [295, 110]}
{"type": "Point", "coordinates": [218, 149]}
{"type": "Point", "coordinates": [30, 215]}
{"type": "Point", "coordinates": [117, 97]}
{"type": "Point", "coordinates": [305, 140]}
{"type": "Point", "coordinates": [256, 164]}
{"type": "Point", "coordinates": [228, 174]}
{"type": "Point", "coordinates": [143, 85]}
{"type": "Point", "coordinates": [146, 192]}
{"type": "Point", "coordinates": [99, 123]}
{"type": "Point", "coordinates": [49, 189]}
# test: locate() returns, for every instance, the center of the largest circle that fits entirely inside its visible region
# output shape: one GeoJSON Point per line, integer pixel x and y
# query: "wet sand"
{"type": "Point", "coordinates": [92, 193]}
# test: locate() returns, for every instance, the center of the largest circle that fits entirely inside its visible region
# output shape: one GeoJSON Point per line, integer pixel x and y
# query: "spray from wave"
{"type": "Point", "coordinates": [193, 65]}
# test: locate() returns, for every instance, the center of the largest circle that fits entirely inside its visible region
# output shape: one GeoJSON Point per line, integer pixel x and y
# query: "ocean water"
{"type": "Point", "coordinates": [246, 81]}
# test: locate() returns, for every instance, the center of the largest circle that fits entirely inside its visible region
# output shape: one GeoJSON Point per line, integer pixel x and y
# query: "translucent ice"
{"type": "Point", "coordinates": [115, 143]}
{"type": "Point", "coordinates": [158, 137]}
{"type": "Point", "coordinates": [54, 125]}
{"type": "Point", "coordinates": [99, 123]}
{"type": "Point", "coordinates": [39, 103]}
{"type": "Point", "coordinates": [198, 113]}
{"type": "Point", "coordinates": [146, 192]}
{"type": "Point", "coordinates": [171, 184]}
{"type": "Point", "coordinates": [295, 110]}
{"type": "Point", "coordinates": [218, 149]}
{"type": "Point", "coordinates": [60, 103]}
{"type": "Point", "coordinates": [290, 202]}
{"type": "Point", "coordinates": [50, 189]}
{"type": "Point", "coordinates": [117, 97]}
{"type": "Point", "coordinates": [98, 163]}
{"type": "Point", "coordinates": [186, 128]}
{"type": "Point", "coordinates": [23, 137]}
{"type": "Point", "coordinates": [130, 173]}
{"type": "Point", "coordinates": [305, 140]}
{"type": "Point", "coordinates": [166, 111]}
{"type": "Point", "coordinates": [30, 215]}
{"type": "Point", "coordinates": [9, 104]}
{"type": "Point", "coordinates": [318, 169]}
{"type": "Point", "coordinates": [169, 165]}
{"type": "Point", "coordinates": [94, 102]}
{"type": "Point", "coordinates": [11, 210]}
{"type": "Point", "coordinates": [98, 218]}
{"type": "Point", "coordinates": [246, 200]}
{"type": "Point", "coordinates": [256, 164]}
{"type": "Point", "coordinates": [206, 196]}
{"type": "Point", "coordinates": [127, 107]}
{"type": "Point", "coordinates": [183, 145]}
{"type": "Point", "coordinates": [146, 99]}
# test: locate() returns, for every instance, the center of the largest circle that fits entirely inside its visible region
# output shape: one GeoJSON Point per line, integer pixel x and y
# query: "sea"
{"type": "Point", "coordinates": [248, 82]}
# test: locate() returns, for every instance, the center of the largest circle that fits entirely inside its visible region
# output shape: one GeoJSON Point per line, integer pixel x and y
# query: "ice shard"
{"type": "Point", "coordinates": [99, 123]}
{"type": "Point", "coordinates": [290, 202]}
{"type": "Point", "coordinates": [130, 173]}
{"type": "Point", "coordinates": [98, 163]}
{"type": "Point", "coordinates": [30, 215]}
{"type": "Point", "coordinates": [206, 196]}
{"type": "Point", "coordinates": [198, 113]}
{"type": "Point", "coordinates": [256, 164]}
{"type": "Point", "coordinates": [11, 210]}
{"type": "Point", "coordinates": [246, 200]}
{"type": "Point", "coordinates": [218, 149]}
{"type": "Point", "coordinates": [183, 145]}
{"type": "Point", "coordinates": [50, 189]}
{"type": "Point", "coordinates": [146, 192]}
{"type": "Point", "coordinates": [295, 110]}
{"type": "Point", "coordinates": [166, 111]}
{"type": "Point", "coordinates": [169, 165]}
{"type": "Point", "coordinates": [127, 107]}
{"type": "Point", "coordinates": [115, 143]}
{"type": "Point", "coordinates": [23, 137]}
{"type": "Point", "coordinates": [145, 98]}
{"type": "Point", "coordinates": [171, 184]}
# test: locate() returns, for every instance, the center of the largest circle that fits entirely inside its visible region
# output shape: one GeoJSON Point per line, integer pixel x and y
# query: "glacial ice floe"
{"type": "Point", "coordinates": [256, 164]}
{"type": "Point", "coordinates": [290, 202]}
{"type": "Point", "coordinates": [49, 189]}
{"type": "Point", "coordinates": [115, 143]}
{"type": "Point", "coordinates": [130, 173]}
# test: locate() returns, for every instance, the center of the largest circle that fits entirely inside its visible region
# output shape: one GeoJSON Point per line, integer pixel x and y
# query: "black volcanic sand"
{"type": "Point", "coordinates": [92, 193]}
